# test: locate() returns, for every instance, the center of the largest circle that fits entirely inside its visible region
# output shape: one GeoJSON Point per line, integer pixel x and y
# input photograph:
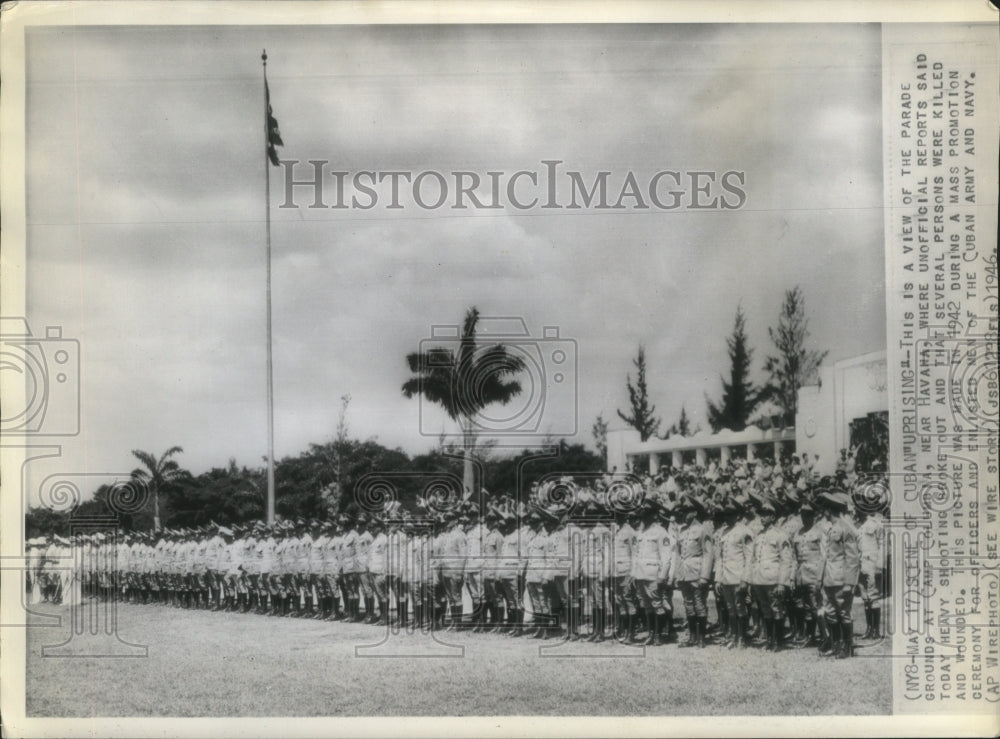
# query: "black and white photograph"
{"type": "Point", "coordinates": [452, 362]}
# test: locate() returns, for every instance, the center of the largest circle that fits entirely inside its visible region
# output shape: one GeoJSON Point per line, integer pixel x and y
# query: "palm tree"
{"type": "Point", "coordinates": [464, 383]}
{"type": "Point", "coordinates": [158, 474]}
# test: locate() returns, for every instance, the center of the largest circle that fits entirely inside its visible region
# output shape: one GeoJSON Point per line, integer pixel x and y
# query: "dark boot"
{"type": "Point", "coordinates": [809, 635]}
{"type": "Point", "coordinates": [701, 621]}
{"type": "Point", "coordinates": [876, 623]}
{"type": "Point", "coordinates": [868, 622]}
{"type": "Point", "coordinates": [846, 641]}
{"type": "Point", "coordinates": [692, 634]}
{"type": "Point", "coordinates": [556, 629]}
{"type": "Point", "coordinates": [737, 641]}
{"type": "Point", "coordinates": [518, 629]}
{"type": "Point", "coordinates": [779, 635]}
{"type": "Point", "coordinates": [631, 626]}
{"type": "Point", "coordinates": [769, 634]}
{"type": "Point", "coordinates": [659, 622]}
{"type": "Point", "coordinates": [594, 631]}
{"type": "Point", "coordinates": [599, 625]}
{"type": "Point", "coordinates": [621, 624]}
{"type": "Point", "coordinates": [831, 645]}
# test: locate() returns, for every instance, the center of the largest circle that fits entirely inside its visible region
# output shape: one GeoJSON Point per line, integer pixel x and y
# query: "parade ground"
{"type": "Point", "coordinates": [203, 663]}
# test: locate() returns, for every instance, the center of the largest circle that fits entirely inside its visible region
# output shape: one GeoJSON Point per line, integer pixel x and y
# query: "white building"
{"type": "Point", "coordinates": [847, 391]}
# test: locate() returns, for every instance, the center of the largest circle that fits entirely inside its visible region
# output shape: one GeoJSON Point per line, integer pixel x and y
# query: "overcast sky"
{"type": "Point", "coordinates": [146, 202]}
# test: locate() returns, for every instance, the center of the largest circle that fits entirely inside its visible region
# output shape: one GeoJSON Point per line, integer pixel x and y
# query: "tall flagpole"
{"type": "Point", "coordinates": [270, 375]}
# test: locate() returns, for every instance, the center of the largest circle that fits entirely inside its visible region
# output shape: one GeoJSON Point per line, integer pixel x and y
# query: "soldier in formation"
{"type": "Point", "coordinates": [784, 566]}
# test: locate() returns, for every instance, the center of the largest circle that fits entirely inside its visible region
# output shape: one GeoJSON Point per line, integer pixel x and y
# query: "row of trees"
{"type": "Point", "coordinates": [792, 365]}
{"type": "Point", "coordinates": [463, 380]}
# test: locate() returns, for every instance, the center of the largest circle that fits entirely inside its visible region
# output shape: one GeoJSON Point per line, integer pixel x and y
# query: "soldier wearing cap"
{"type": "Point", "coordinates": [399, 582]}
{"type": "Point", "coordinates": [622, 584]}
{"type": "Point", "coordinates": [871, 542]}
{"type": "Point", "coordinates": [722, 521]}
{"type": "Point", "coordinates": [808, 547]}
{"type": "Point", "coordinates": [475, 540]}
{"type": "Point", "coordinates": [264, 554]}
{"type": "Point", "coordinates": [335, 563]}
{"type": "Point", "coordinates": [453, 555]}
{"type": "Point", "coordinates": [363, 547]}
{"type": "Point", "coordinates": [557, 561]}
{"type": "Point", "coordinates": [315, 568]}
{"type": "Point", "coordinates": [510, 571]}
{"type": "Point", "coordinates": [352, 570]}
{"type": "Point", "coordinates": [320, 561]}
{"type": "Point", "coordinates": [438, 545]}
{"type": "Point", "coordinates": [492, 552]}
{"type": "Point", "coordinates": [535, 574]}
{"type": "Point", "coordinates": [841, 570]}
{"type": "Point", "coordinates": [251, 570]}
{"type": "Point", "coordinates": [378, 568]}
{"type": "Point", "coordinates": [733, 570]}
{"type": "Point", "coordinates": [694, 557]}
{"type": "Point", "coordinates": [653, 570]}
{"type": "Point", "coordinates": [418, 573]}
{"type": "Point", "coordinates": [772, 574]}
{"type": "Point", "coordinates": [596, 566]}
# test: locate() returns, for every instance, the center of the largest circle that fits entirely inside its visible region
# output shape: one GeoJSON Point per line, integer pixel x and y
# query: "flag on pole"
{"type": "Point", "coordinates": [273, 134]}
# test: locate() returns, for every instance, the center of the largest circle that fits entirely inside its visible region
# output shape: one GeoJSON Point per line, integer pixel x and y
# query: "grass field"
{"type": "Point", "coordinates": [221, 664]}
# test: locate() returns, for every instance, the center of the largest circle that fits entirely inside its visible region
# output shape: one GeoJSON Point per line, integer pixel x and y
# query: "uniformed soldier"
{"type": "Point", "coordinates": [362, 555]}
{"type": "Point", "coordinates": [597, 563]}
{"type": "Point", "coordinates": [653, 570]}
{"type": "Point", "coordinates": [399, 582]}
{"type": "Point", "coordinates": [455, 545]}
{"type": "Point", "coordinates": [535, 574]}
{"type": "Point", "coordinates": [378, 569]}
{"type": "Point", "coordinates": [772, 574]}
{"type": "Point", "coordinates": [351, 570]}
{"type": "Point", "coordinates": [438, 544]}
{"type": "Point", "coordinates": [722, 522]}
{"type": "Point", "coordinates": [871, 542]}
{"type": "Point", "coordinates": [576, 584]}
{"type": "Point", "coordinates": [622, 584]}
{"type": "Point", "coordinates": [808, 547]}
{"type": "Point", "coordinates": [265, 555]}
{"type": "Point", "coordinates": [557, 562]}
{"type": "Point", "coordinates": [475, 542]}
{"type": "Point", "coordinates": [419, 573]}
{"type": "Point", "coordinates": [492, 553]}
{"type": "Point", "coordinates": [316, 566]}
{"type": "Point", "coordinates": [841, 570]}
{"type": "Point", "coordinates": [251, 569]}
{"type": "Point", "coordinates": [694, 558]}
{"type": "Point", "coordinates": [733, 570]}
{"type": "Point", "coordinates": [510, 571]}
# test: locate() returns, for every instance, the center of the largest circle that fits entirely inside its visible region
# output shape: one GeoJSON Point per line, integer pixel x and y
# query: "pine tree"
{"type": "Point", "coordinates": [794, 365]}
{"type": "Point", "coordinates": [739, 396]}
{"type": "Point", "coordinates": [683, 423]}
{"type": "Point", "coordinates": [600, 432]}
{"type": "Point", "coordinates": [641, 418]}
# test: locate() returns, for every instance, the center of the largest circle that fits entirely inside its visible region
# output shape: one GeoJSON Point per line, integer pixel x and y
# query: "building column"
{"type": "Point", "coordinates": [654, 463]}
{"type": "Point", "coordinates": [677, 459]}
{"type": "Point", "coordinates": [725, 455]}
{"type": "Point", "coordinates": [750, 454]}
{"type": "Point", "coordinates": [699, 457]}
{"type": "Point", "coordinates": [777, 452]}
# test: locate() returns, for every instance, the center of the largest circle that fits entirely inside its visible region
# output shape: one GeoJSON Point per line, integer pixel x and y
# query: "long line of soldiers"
{"type": "Point", "coordinates": [777, 570]}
